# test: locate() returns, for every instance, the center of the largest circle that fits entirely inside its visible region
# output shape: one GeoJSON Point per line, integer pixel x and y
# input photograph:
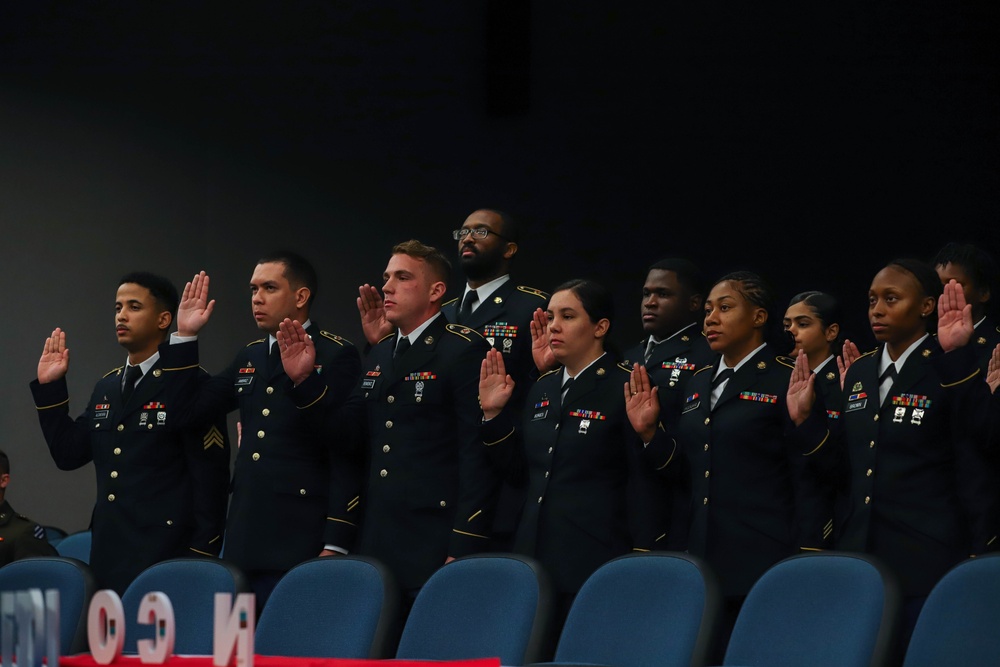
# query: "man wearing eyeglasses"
{"type": "Point", "coordinates": [491, 303]}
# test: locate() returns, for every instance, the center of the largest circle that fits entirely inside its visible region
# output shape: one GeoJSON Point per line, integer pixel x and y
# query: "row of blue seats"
{"type": "Point", "coordinates": [657, 608]}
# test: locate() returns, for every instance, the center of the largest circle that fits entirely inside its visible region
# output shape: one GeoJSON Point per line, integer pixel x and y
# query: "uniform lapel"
{"type": "Point", "coordinates": [489, 310]}
{"type": "Point", "coordinates": [585, 383]}
{"type": "Point", "coordinates": [421, 351]}
{"type": "Point", "coordinates": [912, 372]}
{"type": "Point", "coordinates": [745, 378]}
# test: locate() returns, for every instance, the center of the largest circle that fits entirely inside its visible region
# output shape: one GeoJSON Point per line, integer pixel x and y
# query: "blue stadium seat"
{"type": "Point", "coordinates": [824, 609]}
{"type": "Point", "coordinates": [959, 623]}
{"type": "Point", "coordinates": [76, 546]}
{"type": "Point", "coordinates": [486, 605]}
{"type": "Point", "coordinates": [338, 607]}
{"type": "Point", "coordinates": [191, 585]}
{"type": "Point", "coordinates": [656, 608]}
{"type": "Point", "coordinates": [75, 584]}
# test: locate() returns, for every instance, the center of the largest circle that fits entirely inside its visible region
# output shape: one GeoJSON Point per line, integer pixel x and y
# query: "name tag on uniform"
{"type": "Point", "coordinates": [244, 381]}
{"type": "Point", "coordinates": [853, 406]}
{"type": "Point", "coordinates": [691, 403]}
{"type": "Point", "coordinates": [102, 410]}
{"type": "Point", "coordinates": [541, 414]}
{"type": "Point", "coordinates": [368, 383]}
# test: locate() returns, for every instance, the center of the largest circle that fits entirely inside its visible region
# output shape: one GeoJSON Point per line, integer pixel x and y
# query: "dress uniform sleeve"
{"type": "Point", "coordinates": [206, 453]}
{"type": "Point", "coordinates": [340, 374]}
{"type": "Point", "coordinates": [68, 440]}
{"type": "Point", "coordinates": [648, 518]}
{"type": "Point", "coordinates": [478, 482]}
{"type": "Point", "coordinates": [504, 446]}
{"type": "Point", "coordinates": [977, 483]}
{"type": "Point", "coordinates": [204, 396]}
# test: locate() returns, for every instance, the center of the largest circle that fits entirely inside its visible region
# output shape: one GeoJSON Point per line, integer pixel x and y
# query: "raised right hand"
{"type": "Point", "coordinates": [801, 390]}
{"type": "Point", "coordinates": [844, 362]}
{"type": "Point", "coordinates": [372, 310]}
{"type": "Point", "coordinates": [195, 309]}
{"type": "Point", "coordinates": [298, 352]}
{"type": "Point", "coordinates": [55, 358]}
{"type": "Point", "coordinates": [495, 386]}
{"type": "Point", "coordinates": [641, 404]}
{"type": "Point", "coordinates": [993, 370]}
{"type": "Point", "coordinates": [541, 353]}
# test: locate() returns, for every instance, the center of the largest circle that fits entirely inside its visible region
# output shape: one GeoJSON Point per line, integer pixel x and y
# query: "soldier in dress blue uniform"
{"type": "Point", "coordinates": [503, 312]}
{"type": "Point", "coordinates": [812, 321]}
{"type": "Point", "coordinates": [920, 496]}
{"type": "Point", "coordinates": [582, 506]}
{"type": "Point", "coordinates": [672, 306]}
{"type": "Point", "coordinates": [976, 272]}
{"type": "Point", "coordinates": [753, 499]}
{"type": "Point", "coordinates": [431, 491]}
{"type": "Point", "coordinates": [161, 481]}
{"type": "Point", "coordinates": [20, 537]}
{"type": "Point", "coordinates": [294, 490]}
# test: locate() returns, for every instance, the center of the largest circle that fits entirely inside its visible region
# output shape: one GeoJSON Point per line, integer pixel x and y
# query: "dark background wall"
{"type": "Point", "coordinates": [811, 143]}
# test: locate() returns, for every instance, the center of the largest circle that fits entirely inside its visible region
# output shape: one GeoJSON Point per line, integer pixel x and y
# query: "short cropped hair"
{"type": "Point", "coordinates": [688, 274]}
{"type": "Point", "coordinates": [509, 227]}
{"type": "Point", "coordinates": [976, 262]}
{"type": "Point", "coordinates": [438, 263]}
{"type": "Point", "coordinates": [162, 290]}
{"type": "Point", "coordinates": [298, 271]}
{"type": "Point", "coordinates": [4, 463]}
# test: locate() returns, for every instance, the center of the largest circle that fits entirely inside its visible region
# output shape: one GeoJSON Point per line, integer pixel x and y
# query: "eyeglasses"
{"type": "Point", "coordinates": [478, 232]}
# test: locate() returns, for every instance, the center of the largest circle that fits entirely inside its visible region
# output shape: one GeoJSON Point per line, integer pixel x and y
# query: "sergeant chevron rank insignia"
{"type": "Point", "coordinates": [214, 437]}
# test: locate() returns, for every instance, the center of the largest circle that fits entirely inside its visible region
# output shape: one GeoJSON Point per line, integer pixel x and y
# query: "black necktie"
{"type": "Point", "coordinates": [132, 375]}
{"type": "Point", "coordinates": [722, 377]}
{"type": "Point", "coordinates": [565, 387]}
{"type": "Point", "coordinates": [888, 374]}
{"type": "Point", "coordinates": [650, 346]}
{"type": "Point", "coordinates": [466, 310]}
{"type": "Point", "coordinates": [274, 359]}
{"type": "Point", "coordinates": [401, 347]}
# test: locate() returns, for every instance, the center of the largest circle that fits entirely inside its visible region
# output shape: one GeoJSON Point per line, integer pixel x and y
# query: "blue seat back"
{"type": "Point", "coordinates": [191, 585]}
{"type": "Point", "coordinates": [654, 608]}
{"type": "Point", "coordinates": [820, 609]}
{"type": "Point", "coordinates": [76, 546]}
{"type": "Point", "coordinates": [75, 584]}
{"type": "Point", "coordinates": [487, 605]}
{"type": "Point", "coordinates": [338, 607]}
{"type": "Point", "coordinates": [959, 623]}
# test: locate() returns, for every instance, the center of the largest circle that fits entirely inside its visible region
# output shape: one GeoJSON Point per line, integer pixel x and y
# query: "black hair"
{"type": "Point", "coordinates": [162, 290]}
{"type": "Point", "coordinates": [753, 288]}
{"type": "Point", "coordinates": [976, 262]}
{"type": "Point", "coordinates": [509, 227]}
{"type": "Point", "coordinates": [927, 278]}
{"type": "Point", "coordinates": [4, 464]}
{"type": "Point", "coordinates": [596, 299]}
{"type": "Point", "coordinates": [825, 306]}
{"type": "Point", "coordinates": [688, 274]}
{"type": "Point", "coordinates": [298, 271]}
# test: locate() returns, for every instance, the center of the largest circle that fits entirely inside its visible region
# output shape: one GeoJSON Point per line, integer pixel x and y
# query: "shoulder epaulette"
{"type": "Point", "coordinates": [532, 291]}
{"type": "Point", "coordinates": [113, 371]}
{"type": "Point", "coordinates": [254, 342]}
{"type": "Point", "coordinates": [703, 368]}
{"type": "Point", "coordinates": [339, 340]}
{"type": "Point", "coordinates": [385, 337]}
{"type": "Point", "coordinates": [869, 353]}
{"type": "Point", "coordinates": [460, 331]}
{"type": "Point", "coordinates": [998, 329]}
{"type": "Point", "coordinates": [624, 367]}
{"type": "Point", "coordinates": [785, 361]}
{"type": "Point", "coordinates": [448, 303]}
{"type": "Point", "coordinates": [554, 370]}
